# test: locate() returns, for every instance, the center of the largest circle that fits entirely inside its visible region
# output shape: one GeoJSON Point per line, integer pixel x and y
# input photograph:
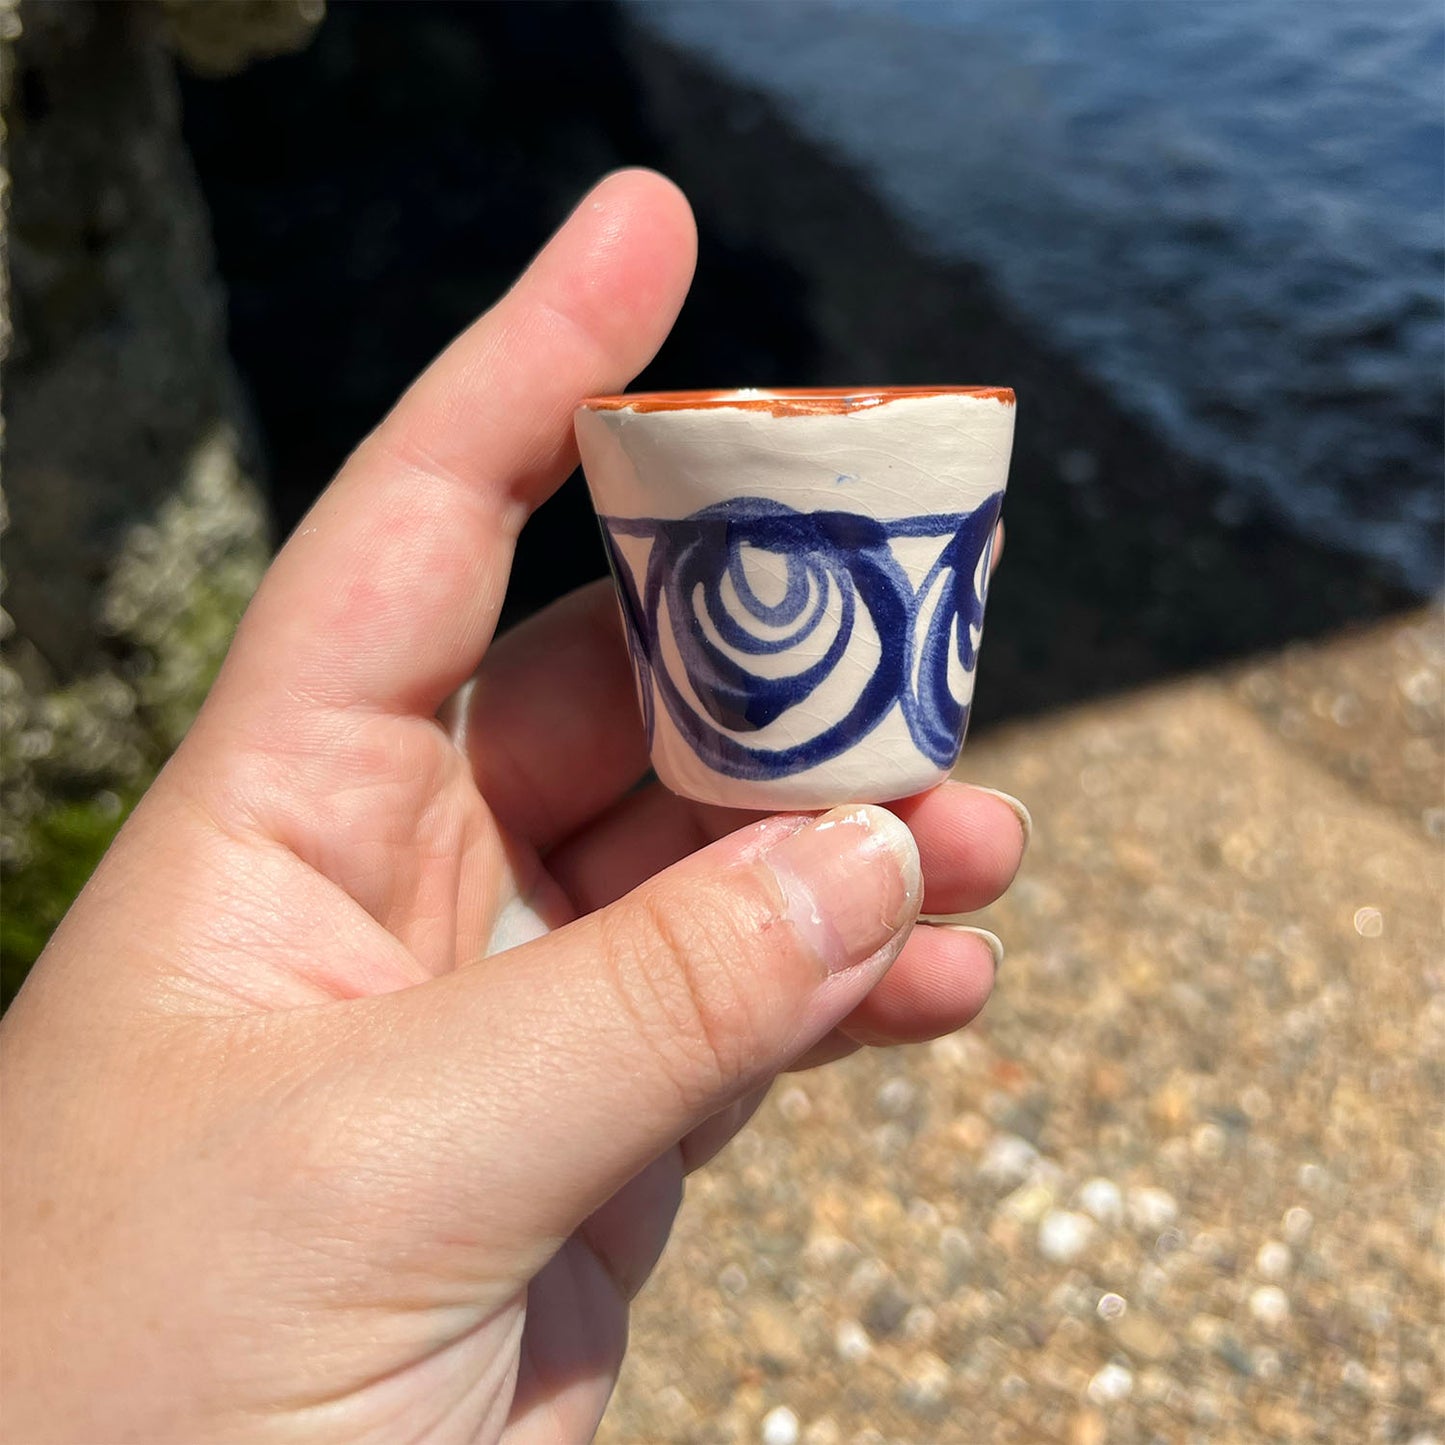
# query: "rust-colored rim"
{"type": "Point", "coordinates": [788, 401]}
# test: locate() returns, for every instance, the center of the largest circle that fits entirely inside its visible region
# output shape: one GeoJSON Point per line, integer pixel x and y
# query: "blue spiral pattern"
{"type": "Point", "coordinates": [836, 567]}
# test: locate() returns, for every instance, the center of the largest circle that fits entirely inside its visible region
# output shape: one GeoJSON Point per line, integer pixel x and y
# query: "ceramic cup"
{"type": "Point", "coordinates": [802, 575]}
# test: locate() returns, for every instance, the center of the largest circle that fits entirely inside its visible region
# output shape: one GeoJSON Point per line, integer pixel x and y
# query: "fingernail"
{"type": "Point", "coordinates": [994, 942]}
{"type": "Point", "coordinates": [851, 881]}
{"type": "Point", "coordinates": [1026, 820]}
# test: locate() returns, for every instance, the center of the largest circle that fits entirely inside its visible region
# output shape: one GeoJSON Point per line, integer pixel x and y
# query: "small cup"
{"type": "Point", "coordinates": [802, 575]}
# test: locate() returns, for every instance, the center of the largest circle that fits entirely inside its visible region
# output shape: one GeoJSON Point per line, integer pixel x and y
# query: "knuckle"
{"type": "Point", "coordinates": [680, 964]}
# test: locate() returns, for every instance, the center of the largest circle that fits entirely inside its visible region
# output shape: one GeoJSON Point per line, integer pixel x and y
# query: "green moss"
{"type": "Point", "coordinates": [68, 839]}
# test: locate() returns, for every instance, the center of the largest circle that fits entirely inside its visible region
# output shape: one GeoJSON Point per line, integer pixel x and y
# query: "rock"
{"type": "Point", "coordinates": [1298, 1222]}
{"type": "Point", "coordinates": [919, 1324]}
{"type": "Point", "coordinates": [732, 1279]}
{"type": "Point", "coordinates": [1064, 1236]}
{"type": "Point", "coordinates": [886, 1309]}
{"type": "Point", "coordinates": [868, 1276]}
{"type": "Point", "coordinates": [780, 1427]}
{"type": "Point", "coordinates": [823, 1431]}
{"type": "Point", "coordinates": [1103, 1200]}
{"type": "Point", "coordinates": [113, 276]}
{"type": "Point", "coordinates": [1208, 1142]}
{"type": "Point", "coordinates": [1273, 1260]}
{"type": "Point", "coordinates": [1269, 1305]}
{"type": "Point", "coordinates": [1115, 1382]}
{"type": "Point", "coordinates": [794, 1104]}
{"type": "Point", "coordinates": [1027, 1204]}
{"type": "Point", "coordinates": [1143, 1336]}
{"type": "Point", "coordinates": [955, 1246]}
{"type": "Point", "coordinates": [851, 1342]}
{"type": "Point", "coordinates": [222, 39]}
{"type": "Point", "coordinates": [896, 1096]}
{"type": "Point", "coordinates": [926, 1384]}
{"type": "Point", "coordinates": [1354, 1376]}
{"type": "Point", "coordinates": [135, 529]}
{"type": "Point", "coordinates": [1151, 1210]}
{"type": "Point", "coordinates": [772, 1335]}
{"type": "Point", "coordinates": [1009, 1160]}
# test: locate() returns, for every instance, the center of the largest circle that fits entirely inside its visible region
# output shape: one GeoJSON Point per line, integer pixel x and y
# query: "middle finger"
{"type": "Point", "coordinates": [970, 841]}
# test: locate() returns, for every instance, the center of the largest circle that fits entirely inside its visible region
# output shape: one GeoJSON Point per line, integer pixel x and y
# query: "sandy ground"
{"type": "Point", "coordinates": [1183, 1180]}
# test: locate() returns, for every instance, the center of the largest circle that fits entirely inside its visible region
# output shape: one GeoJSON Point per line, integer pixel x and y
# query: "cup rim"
{"type": "Point", "coordinates": [787, 400]}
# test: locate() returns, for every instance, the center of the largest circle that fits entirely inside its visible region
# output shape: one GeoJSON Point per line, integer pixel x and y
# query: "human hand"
{"type": "Point", "coordinates": [354, 1097]}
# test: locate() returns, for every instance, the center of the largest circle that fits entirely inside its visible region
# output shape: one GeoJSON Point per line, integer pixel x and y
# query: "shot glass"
{"type": "Point", "coordinates": [802, 576]}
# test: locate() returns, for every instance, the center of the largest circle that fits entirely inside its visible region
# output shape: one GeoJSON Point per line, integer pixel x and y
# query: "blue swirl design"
{"type": "Point", "coordinates": [696, 586]}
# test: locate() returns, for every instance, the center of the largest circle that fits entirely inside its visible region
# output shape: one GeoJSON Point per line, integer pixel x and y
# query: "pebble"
{"type": "Point", "coordinates": [927, 1382]}
{"type": "Point", "coordinates": [1170, 1241]}
{"type": "Point", "coordinates": [1111, 1306]}
{"type": "Point", "coordinates": [1273, 1260]}
{"type": "Point", "coordinates": [1151, 1210]}
{"type": "Point", "coordinates": [954, 1245]}
{"type": "Point", "coordinates": [851, 1342]}
{"type": "Point", "coordinates": [1208, 1142]}
{"type": "Point", "coordinates": [1267, 1364]}
{"type": "Point", "coordinates": [1369, 922]}
{"type": "Point", "coordinates": [1113, 1383]}
{"type": "Point", "coordinates": [1269, 1305]}
{"type": "Point", "coordinates": [1298, 1222]}
{"type": "Point", "coordinates": [794, 1105]}
{"type": "Point", "coordinates": [924, 1214]}
{"type": "Point", "coordinates": [897, 1095]}
{"type": "Point", "coordinates": [890, 1139]}
{"type": "Point", "coordinates": [867, 1275]}
{"type": "Point", "coordinates": [1064, 1236]}
{"type": "Point", "coordinates": [674, 1404]}
{"type": "Point", "coordinates": [732, 1279]}
{"type": "Point", "coordinates": [1144, 1337]}
{"type": "Point", "coordinates": [780, 1427]}
{"type": "Point", "coordinates": [886, 1310]}
{"type": "Point", "coordinates": [1102, 1199]}
{"type": "Point", "coordinates": [1008, 1160]}
{"type": "Point", "coordinates": [823, 1248]}
{"type": "Point", "coordinates": [1027, 1204]}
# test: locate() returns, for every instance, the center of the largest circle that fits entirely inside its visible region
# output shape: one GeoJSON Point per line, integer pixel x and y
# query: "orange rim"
{"type": "Point", "coordinates": [788, 401]}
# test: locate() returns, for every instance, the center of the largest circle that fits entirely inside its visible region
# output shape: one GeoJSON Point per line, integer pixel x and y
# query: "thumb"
{"type": "Point", "coordinates": [546, 1077]}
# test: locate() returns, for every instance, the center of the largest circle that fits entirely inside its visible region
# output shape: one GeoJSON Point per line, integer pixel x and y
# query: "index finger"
{"type": "Point", "coordinates": [387, 594]}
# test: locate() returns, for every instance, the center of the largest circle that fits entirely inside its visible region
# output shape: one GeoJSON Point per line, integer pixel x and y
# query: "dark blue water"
{"type": "Point", "coordinates": [1229, 211]}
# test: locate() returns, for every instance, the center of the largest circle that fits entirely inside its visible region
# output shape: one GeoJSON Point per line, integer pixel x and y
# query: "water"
{"type": "Point", "coordinates": [1229, 212]}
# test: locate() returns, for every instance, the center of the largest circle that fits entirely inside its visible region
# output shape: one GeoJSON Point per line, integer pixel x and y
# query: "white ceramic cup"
{"type": "Point", "coordinates": [802, 575]}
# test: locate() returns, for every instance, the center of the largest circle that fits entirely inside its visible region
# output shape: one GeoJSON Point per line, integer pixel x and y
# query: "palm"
{"type": "Point", "coordinates": [398, 839]}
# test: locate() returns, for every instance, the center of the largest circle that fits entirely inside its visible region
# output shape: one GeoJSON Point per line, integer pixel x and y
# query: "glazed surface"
{"type": "Point", "coordinates": [745, 612]}
{"type": "Point", "coordinates": [804, 595]}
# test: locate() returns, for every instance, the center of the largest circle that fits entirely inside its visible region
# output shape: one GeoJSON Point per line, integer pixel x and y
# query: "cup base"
{"type": "Point", "coordinates": [802, 794]}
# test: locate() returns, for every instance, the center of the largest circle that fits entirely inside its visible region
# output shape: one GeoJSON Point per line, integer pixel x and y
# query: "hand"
{"type": "Point", "coordinates": [354, 1097]}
